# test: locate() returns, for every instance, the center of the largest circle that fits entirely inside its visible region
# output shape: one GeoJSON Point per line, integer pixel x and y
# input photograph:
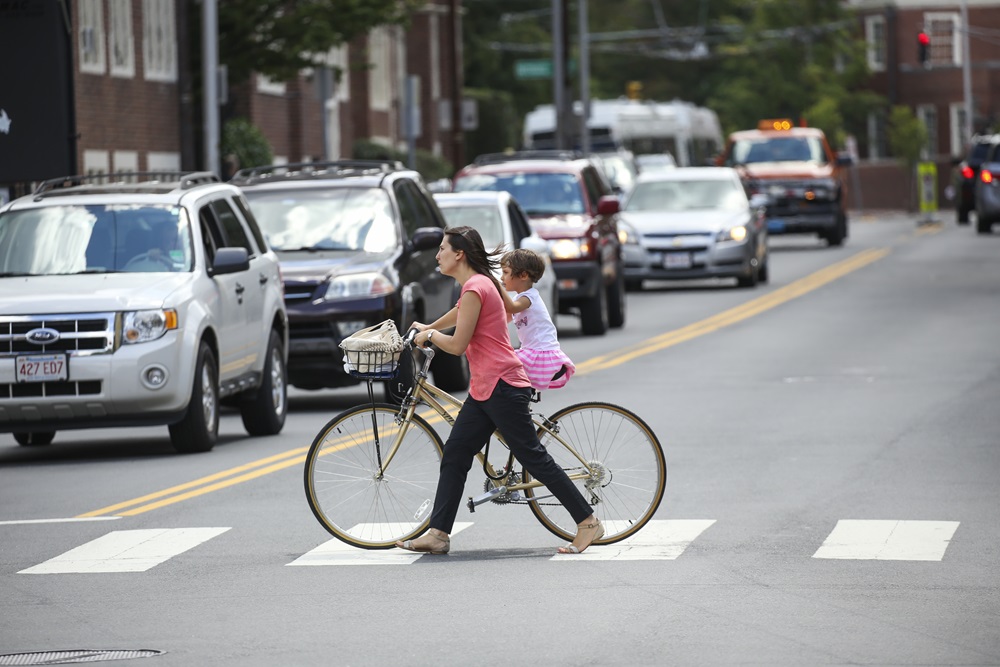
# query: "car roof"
{"type": "Point", "coordinates": [337, 173]}
{"type": "Point", "coordinates": [772, 134]}
{"type": "Point", "coordinates": [689, 173]}
{"type": "Point", "coordinates": [530, 166]}
{"type": "Point", "coordinates": [141, 187]}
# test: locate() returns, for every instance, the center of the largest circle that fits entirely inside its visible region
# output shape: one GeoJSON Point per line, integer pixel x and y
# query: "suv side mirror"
{"type": "Point", "coordinates": [759, 200]}
{"type": "Point", "coordinates": [608, 205]}
{"type": "Point", "coordinates": [535, 244]}
{"type": "Point", "coordinates": [844, 159]}
{"type": "Point", "coordinates": [230, 260]}
{"type": "Point", "coordinates": [426, 238]}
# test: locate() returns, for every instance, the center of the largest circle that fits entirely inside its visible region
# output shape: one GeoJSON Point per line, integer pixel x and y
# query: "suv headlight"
{"type": "Point", "coordinates": [142, 326]}
{"type": "Point", "coordinates": [569, 248]}
{"type": "Point", "coordinates": [627, 234]}
{"type": "Point", "coordinates": [737, 233]}
{"type": "Point", "coordinates": [354, 285]}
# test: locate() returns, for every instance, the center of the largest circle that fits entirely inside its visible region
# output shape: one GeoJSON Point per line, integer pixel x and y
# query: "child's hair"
{"type": "Point", "coordinates": [524, 261]}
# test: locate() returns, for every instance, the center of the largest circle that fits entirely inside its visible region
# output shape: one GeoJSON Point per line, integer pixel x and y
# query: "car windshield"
{"type": "Point", "coordinates": [686, 195]}
{"type": "Point", "coordinates": [778, 149]}
{"type": "Point", "coordinates": [330, 219]}
{"type": "Point", "coordinates": [61, 240]}
{"type": "Point", "coordinates": [538, 193]}
{"type": "Point", "coordinates": [484, 219]}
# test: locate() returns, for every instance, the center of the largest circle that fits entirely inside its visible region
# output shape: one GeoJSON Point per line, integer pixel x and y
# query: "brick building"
{"type": "Point", "coordinates": [934, 89]}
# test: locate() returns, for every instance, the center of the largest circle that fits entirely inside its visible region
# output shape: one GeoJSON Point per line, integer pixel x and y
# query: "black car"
{"type": "Point", "coordinates": [968, 173]}
{"type": "Point", "coordinates": [356, 241]}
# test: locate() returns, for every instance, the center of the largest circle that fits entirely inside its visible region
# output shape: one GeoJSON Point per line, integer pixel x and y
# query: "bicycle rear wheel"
{"type": "Point", "coordinates": [629, 469]}
{"type": "Point", "coordinates": [346, 491]}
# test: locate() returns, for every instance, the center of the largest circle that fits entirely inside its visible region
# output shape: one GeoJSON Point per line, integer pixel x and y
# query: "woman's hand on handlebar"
{"type": "Point", "coordinates": [420, 340]}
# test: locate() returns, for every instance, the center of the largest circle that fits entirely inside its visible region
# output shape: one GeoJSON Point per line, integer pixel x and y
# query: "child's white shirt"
{"type": "Point", "coordinates": [535, 328]}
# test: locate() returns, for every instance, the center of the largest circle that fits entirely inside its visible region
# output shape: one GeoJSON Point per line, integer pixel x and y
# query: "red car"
{"type": "Point", "coordinates": [572, 206]}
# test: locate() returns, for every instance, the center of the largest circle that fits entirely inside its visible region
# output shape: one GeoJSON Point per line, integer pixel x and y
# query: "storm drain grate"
{"type": "Point", "coordinates": [78, 655]}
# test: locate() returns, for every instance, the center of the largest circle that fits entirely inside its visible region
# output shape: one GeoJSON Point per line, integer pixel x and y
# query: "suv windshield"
{"type": "Point", "coordinates": [329, 219]}
{"type": "Point", "coordinates": [777, 149]}
{"type": "Point", "coordinates": [538, 193]}
{"type": "Point", "coordinates": [484, 219]}
{"type": "Point", "coordinates": [60, 240]}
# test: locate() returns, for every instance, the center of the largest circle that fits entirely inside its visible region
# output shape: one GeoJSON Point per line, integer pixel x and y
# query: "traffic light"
{"type": "Point", "coordinates": [633, 89]}
{"type": "Point", "coordinates": [923, 47]}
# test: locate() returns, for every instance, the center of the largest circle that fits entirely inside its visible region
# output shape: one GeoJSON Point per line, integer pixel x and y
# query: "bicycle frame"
{"type": "Point", "coordinates": [442, 402]}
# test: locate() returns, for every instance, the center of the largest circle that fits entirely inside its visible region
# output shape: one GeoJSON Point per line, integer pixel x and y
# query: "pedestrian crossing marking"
{"type": "Point", "coordinates": [888, 540]}
{"type": "Point", "coordinates": [657, 540]}
{"type": "Point", "coordinates": [336, 552]}
{"type": "Point", "coordinates": [126, 551]}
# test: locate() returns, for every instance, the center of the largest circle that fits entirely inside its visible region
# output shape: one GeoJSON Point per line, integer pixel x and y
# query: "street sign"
{"type": "Point", "coordinates": [533, 69]}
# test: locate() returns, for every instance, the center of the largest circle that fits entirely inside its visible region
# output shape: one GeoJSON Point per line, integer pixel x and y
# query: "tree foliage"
{"type": "Point", "coordinates": [279, 38]}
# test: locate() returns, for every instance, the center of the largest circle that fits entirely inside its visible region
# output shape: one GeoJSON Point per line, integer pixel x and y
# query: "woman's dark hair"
{"type": "Point", "coordinates": [468, 240]}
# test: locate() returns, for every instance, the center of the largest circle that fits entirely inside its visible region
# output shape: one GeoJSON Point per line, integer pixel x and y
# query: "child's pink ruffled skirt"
{"type": "Point", "coordinates": [541, 365]}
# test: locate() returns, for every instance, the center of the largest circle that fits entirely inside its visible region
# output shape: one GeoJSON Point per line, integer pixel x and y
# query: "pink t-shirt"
{"type": "Point", "coordinates": [490, 354]}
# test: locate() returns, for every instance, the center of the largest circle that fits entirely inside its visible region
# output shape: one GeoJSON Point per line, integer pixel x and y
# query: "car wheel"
{"type": "Point", "coordinates": [34, 439]}
{"type": "Point", "coordinates": [983, 224]}
{"type": "Point", "coordinates": [199, 429]}
{"type": "Point", "coordinates": [763, 275]}
{"type": "Point", "coordinates": [616, 302]}
{"type": "Point", "coordinates": [633, 284]}
{"type": "Point", "coordinates": [963, 216]}
{"type": "Point", "coordinates": [836, 236]}
{"type": "Point", "coordinates": [264, 411]}
{"type": "Point", "coordinates": [749, 280]}
{"type": "Point", "coordinates": [594, 314]}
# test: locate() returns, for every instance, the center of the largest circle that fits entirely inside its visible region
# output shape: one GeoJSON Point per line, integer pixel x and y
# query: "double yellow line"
{"type": "Point", "coordinates": [296, 457]}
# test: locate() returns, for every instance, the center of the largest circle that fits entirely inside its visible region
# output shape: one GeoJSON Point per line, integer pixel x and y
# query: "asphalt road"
{"type": "Point", "coordinates": [832, 445]}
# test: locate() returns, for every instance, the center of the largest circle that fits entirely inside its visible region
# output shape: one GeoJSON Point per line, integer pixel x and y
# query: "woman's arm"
{"type": "Point", "coordinates": [446, 321]}
{"type": "Point", "coordinates": [457, 342]}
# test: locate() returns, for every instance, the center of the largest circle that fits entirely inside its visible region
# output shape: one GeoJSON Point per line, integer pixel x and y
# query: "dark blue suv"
{"type": "Point", "coordinates": [356, 241]}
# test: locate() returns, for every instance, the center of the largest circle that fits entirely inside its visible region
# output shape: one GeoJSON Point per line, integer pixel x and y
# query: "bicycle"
{"type": "Point", "coordinates": [371, 472]}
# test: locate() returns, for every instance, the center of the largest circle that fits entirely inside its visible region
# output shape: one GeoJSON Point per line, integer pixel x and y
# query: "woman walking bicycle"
{"type": "Point", "coordinates": [499, 396]}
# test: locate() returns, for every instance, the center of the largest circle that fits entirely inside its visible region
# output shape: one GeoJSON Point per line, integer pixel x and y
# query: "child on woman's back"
{"type": "Point", "coordinates": [544, 362]}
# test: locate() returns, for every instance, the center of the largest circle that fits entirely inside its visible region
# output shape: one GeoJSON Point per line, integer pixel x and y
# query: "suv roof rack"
{"type": "Point", "coordinates": [495, 158]}
{"type": "Point", "coordinates": [310, 170]}
{"type": "Point", "coordinates": [148, 182]}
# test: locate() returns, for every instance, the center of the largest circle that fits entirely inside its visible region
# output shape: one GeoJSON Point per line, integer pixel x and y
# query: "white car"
{"type": "Point", "coordinates": [500, 220]}
{"type": "Point", "coordinates": [138, 303]}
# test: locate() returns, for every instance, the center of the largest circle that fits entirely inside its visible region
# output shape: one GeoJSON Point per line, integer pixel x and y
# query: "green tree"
{"type": "Point", "coordinates": [244, 141]}
{"type": "Point", "coordinates": [907, 138]}
{"type": "Point", "coordinates": [279, 38]}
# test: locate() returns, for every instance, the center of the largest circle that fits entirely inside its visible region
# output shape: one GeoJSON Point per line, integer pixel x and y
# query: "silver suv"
{"type": "Point", "coordinates": [146, 302]}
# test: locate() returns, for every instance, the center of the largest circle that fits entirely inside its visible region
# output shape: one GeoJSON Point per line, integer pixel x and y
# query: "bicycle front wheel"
{"type": "Point", "coordinates": [353, 497]}
{"type": "Point", "coordinates": [628, 469]}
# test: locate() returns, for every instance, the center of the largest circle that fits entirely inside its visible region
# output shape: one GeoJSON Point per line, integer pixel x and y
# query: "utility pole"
{"type": "Point", "coordinates": [967, 74]}
{"type": "Point", "coordinates": [584, 76]}
{"type": "Point", "coordinates": [210, 83]}
{"type": "Point", "coordinates": [559, 70]}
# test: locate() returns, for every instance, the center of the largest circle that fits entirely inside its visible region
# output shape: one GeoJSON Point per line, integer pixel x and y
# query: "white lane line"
{"type": "Point", "coordinates": [335, 552]}
{"type": "Point", "coordinates": [21, 522]}
{"type": "Point", "coordinates": [888, 540]}
{"type": "Point", "coordinates": [126, 551]}
{"type": "Point", "coordinates": [657, 540]}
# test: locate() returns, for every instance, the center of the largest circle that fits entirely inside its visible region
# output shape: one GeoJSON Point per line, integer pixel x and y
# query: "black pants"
{"type": "Point", "coordinates": [505, 410]}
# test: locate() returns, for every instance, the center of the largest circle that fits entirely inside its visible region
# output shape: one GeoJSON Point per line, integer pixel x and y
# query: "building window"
{"type": "Point", "coordinates": [928, 116]}
{"type": "Point", "coordinates": [122, 43]}
{"type": "Point", "coordinates": [946, 38]}
{"type": "Point", "coordinates": [959, 126]}
{"type": "Point", "coordinates": [95, 162]}
{"type": "Point", "coordinates": [380, 57]}
{"type": "Point", "coordinates": [159, 40]}
{"type": "Point", "coordinates": [876, 136]}
{"type": "Point", "coordinates": [159, 161]}
{"type": "Point", "coordinates": [875, 40]}
{"type": "Point", "coordinates": [126, 162]}
{"type": "Point", "coordinates": [91, 37]}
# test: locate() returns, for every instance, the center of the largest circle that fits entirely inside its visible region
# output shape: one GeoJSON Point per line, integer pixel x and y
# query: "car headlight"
{"type": "Point", "coordinates": [354, 285]}
{"type": "Point", "coordinates": [569, 248]}
{"type": "Point", "coordinates": [142, 326]}
{"type": "Point", "coordinates": [627, 234]}
{"type": "Point", "coordinates": [737, 233]}
{"type": "Point", "coordinates": [824, 189]}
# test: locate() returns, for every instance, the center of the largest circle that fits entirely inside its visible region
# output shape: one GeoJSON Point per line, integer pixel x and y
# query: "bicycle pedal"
{"type": "Point", "coordinates": [486, 497]}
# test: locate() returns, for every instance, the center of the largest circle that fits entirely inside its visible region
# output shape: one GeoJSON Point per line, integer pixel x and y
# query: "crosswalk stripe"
{"type": "Point", "coordinates": [335, 552]}
{"type": "Point", "coordinates": [657, 540]}
{"type": "Point", "coordinates": [888, 540]}
{"type": "Point", "coordinates": [126, 551]}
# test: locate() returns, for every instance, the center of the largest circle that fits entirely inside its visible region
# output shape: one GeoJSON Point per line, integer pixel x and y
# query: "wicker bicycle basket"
{"type": "Point", "coordinates": [373, 353]}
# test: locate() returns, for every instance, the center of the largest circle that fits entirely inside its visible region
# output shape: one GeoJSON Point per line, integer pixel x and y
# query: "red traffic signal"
{"type": "Point", "coordinates": [923, 47]}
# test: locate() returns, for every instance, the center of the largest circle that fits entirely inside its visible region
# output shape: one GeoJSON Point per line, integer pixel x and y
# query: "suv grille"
{"type": "Point", "coordinates": [44, 389]}
{"type": "Point", "coordinates": [82, 334]}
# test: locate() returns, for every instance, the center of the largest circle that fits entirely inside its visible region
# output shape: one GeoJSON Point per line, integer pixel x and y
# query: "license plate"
{"type": "Point", "coordinates": [775, 225]}
{"type": "Point", "coordinates": [677, 260]}
{"type": "Point", "coordinates": [41, 368]}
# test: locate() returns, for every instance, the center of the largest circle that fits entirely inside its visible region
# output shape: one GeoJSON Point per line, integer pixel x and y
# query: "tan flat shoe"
{"type": "Point", "coordinates": [598, 529]}
{"type": "Point", "coordinates": [439, 547]}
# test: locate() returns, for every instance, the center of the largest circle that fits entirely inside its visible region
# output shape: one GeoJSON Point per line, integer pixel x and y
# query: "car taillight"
{"type": "Point", "coordinates": [967, 172]}
{"type": "Point", "coordinates": [986, 176]}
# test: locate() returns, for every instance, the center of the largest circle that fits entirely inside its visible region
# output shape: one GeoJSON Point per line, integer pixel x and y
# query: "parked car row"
{"type": "Point", "coordinates": [978, 183]}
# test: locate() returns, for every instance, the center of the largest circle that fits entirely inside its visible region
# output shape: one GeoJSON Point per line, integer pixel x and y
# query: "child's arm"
{"type": "Point", "coordinates": [512, 306]}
